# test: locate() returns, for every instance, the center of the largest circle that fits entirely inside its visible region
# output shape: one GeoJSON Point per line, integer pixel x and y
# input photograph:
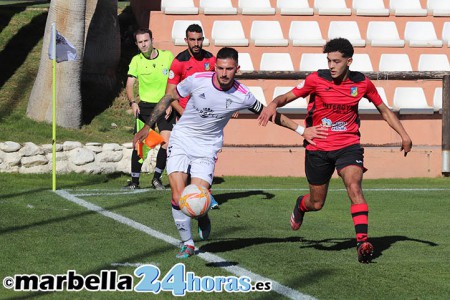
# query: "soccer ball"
{"type": "Point", "coordinates": [195, 201]}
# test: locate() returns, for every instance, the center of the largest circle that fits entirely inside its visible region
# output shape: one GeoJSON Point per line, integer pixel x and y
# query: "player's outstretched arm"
{"type": "Point", "coordinates": [158, 111]}
{"type": "Point", "coordinates": [270, 111]}
{"type": "Point", "coordinates": [395, 124]}
{"type": "Point", "coordinates": [309, 133]}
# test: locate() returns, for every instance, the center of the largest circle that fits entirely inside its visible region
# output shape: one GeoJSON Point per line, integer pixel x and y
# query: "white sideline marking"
{"type": "Point", "coordinates": [100, 192]}
{"type": "Point", "coordinates": [127, 264]}
{"type": "Point", "coordinates": [209, 257]}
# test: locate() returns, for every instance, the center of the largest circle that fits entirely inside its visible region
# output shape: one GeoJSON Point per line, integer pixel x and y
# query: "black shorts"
{"type": "Point", "coordinates": [162, 123]}
{"type": "Point", "coordinates": [320, 165]}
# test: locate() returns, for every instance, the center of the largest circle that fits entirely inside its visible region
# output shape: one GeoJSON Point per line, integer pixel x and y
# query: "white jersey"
{"type": "Point", "coordinates": [199, 131]}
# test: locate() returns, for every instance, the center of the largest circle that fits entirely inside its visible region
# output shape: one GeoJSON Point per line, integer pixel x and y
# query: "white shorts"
{"type": "Point", "coordinates": [198, 167]}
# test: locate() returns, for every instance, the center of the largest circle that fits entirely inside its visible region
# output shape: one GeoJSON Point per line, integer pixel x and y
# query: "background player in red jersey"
{"type": "Point", "coordinates": [334, 97]}
{"type": "Point", "coordinates": [193, 59]}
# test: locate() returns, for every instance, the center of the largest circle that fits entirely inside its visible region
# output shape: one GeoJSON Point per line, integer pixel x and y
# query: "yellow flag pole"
{"type": "Point", "coordinates": [53, 47]}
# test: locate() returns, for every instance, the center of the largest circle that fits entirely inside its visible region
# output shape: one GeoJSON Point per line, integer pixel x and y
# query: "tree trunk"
{"type": "Point", "coordinates": [89, 85]}
{"type": "Point", "coordinates": [99, 84]}
{"type": "Point", "coordinates": [69, 16]}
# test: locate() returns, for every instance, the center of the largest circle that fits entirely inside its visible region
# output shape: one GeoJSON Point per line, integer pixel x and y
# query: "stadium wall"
{"type": "Point", "coordinates": [252, 150]}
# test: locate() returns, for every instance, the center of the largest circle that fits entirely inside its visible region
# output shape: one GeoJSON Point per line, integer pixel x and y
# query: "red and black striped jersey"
{"type": "Point", "coordinates": [336, 106]}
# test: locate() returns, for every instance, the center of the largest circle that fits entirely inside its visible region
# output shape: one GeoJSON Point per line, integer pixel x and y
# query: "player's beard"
{"type": "Point", "coordinates": [225, 83]}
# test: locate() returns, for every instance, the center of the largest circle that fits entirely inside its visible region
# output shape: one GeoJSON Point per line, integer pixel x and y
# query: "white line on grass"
{"type": "Point", "coordinates": [99, 192]}
{"type": "Point", "coordinates": [209, 257]}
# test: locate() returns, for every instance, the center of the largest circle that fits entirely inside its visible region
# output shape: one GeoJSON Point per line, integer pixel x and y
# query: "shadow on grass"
{"type": "Point", "coordinates": [235, 244]}
{"type": "Point", "coordinates": [380, 243]}
{"type": "Point", "coordinates": [225, 197]}
{"type": "Point", "coordinates": [76, 184]}
{"type": "Point", "coordinates": [19, 46]}
{"type": "Point", "coordinates": [7, 12]}
{"type": "Point", "coordinates": [144, 199]}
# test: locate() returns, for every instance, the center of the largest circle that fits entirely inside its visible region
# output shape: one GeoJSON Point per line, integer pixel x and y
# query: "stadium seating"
{"type": "Point", "coordinates": [334, 7]}
{"type": "Point", "coordinates": [383, 34]}
{"type": "Point", "coordinates": [446, 33]}
{"type": "Point", "coordinates": [313, 61]}
{"type": "Point", "coordinates": [228, 33]}
{"type": "Point", "coordinates": [407, 8]}
{"type": "Point", "coordinates": [276, 62]}
{"type": "Point", "coordinates": [306, 33]}
{"type": "Point", "coordinates": [258, 92]}
{"type": "Point", "coordinates": [437, 100]}
{"type": "Point", "coordinates": [179, 7]}
{"type": "Point", "coordinates": [433, 62]}
{"type": "Point", "coordinates": [370, 8]}
{"type": "Point", "coordinates": [411, 100]}
{"type": "Point", "coordinates": [361, 62]}
{"type": "Point", "coordinates": [421, 34]}
{"type": "Point", "coordinates": [255, 7]}
{"type": "Point", "coordinates": [296, 7]}
{"type": "Point", "coordinates": [179, 31]}
{"type": "Point", "coordinates": [298, 106]}
{"type": "Point", "coordinates": [267, 33]}
{"type": "Point", "coordinates": [394, 62]}
{"type": "Point", "coordinates": [367, 107]}
{"type": "Point", "coordinates": [348, 30]}
{"type": "Point", "coordinates": [439, 8]}
{"type": "Point", "coordinates": [217, 7]}
{"type": "Point", "coordinates": [245, 62]}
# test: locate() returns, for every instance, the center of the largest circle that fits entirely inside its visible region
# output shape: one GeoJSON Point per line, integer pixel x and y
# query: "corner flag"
{"type": "Point", "coordinates": [65, 51]}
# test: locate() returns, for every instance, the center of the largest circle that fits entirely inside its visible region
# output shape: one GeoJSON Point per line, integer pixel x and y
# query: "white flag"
{"type": "Point", "coordinates": [65, 51]}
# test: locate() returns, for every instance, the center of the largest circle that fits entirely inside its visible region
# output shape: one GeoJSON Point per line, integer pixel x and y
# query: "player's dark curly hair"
{"type": "Point", "coordinates": [227, 52]}
{"type": "Point", "coordinates": [194, 28]}
{"type": "Point", "coordinates": [339, 45]}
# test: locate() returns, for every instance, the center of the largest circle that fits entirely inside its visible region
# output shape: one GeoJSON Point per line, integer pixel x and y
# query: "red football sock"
{"type": "Point", "coordinates": [360, 216]}
{"type": "Point", "coordinates": [303, 207]}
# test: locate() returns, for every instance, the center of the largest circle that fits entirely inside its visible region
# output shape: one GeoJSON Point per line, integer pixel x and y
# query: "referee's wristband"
{"type": "Point", "coordinates": [300, 130]}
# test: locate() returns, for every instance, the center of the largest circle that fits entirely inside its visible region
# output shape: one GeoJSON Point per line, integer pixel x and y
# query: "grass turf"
{"type": "Point", "coordinates": [43, 233]}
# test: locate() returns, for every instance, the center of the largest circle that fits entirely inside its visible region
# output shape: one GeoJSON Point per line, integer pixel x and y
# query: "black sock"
{"type": "Point", "coordinates": [161, 159]}
{"type": "Point", "coordinates": [136, 167]}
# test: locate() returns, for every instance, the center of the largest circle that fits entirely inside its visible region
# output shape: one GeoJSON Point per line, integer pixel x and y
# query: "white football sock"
{"type": "Point", "coordinates": [183, 224]}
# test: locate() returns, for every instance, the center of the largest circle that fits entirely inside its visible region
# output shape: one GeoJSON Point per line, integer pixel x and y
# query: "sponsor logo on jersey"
{"type": "Point", "coordinates": [339, 126]}
{"type": "Point", "coordinates": [165, 71]}
{"type": "Point", "coordinates": [354, 91]}
{"type": "Point", "coordinates": [171, 74]}
{"type": "Point", "coordinates": [301, 84]}
{"type": "Point", "coordinates": [202, 95]}
{"type": "Point", "coordinates": [326, 122]}
{"type": "Point", "coordinates": [207, 66]}
{"type": "Point", "coordinates": [228, 103]}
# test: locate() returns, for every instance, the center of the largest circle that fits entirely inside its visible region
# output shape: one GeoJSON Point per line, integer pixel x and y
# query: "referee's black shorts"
{"type": "Point", "coordinates": [162, 123]}
{"type": "Point", "coordinates": [320, 165]}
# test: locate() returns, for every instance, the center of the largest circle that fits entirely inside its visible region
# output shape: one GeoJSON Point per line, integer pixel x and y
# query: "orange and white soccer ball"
{"type": "Point", "coordinates": [195, 201]}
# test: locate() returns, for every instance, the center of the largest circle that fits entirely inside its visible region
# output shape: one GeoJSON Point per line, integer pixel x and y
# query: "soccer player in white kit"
{"type": "Point", "coordinates": [198, 135]}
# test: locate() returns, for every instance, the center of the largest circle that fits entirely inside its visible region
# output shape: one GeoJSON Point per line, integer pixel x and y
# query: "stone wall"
{"type": "Point", "coordinates": [91, 158]}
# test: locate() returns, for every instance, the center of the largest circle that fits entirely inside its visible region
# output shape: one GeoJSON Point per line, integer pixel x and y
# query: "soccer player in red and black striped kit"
{"type": "Point", "coordinates": [334, 97]}
{"type": "Point", "coordinates": [192, 60]}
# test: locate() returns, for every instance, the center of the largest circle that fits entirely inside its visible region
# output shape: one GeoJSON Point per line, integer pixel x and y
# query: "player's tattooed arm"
{"type": "Point", "coordinates": [159, 109]}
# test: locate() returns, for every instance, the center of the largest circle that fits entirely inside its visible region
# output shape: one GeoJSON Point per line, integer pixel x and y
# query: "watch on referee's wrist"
{"type": "Point", "coordinates": [131, 103]}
